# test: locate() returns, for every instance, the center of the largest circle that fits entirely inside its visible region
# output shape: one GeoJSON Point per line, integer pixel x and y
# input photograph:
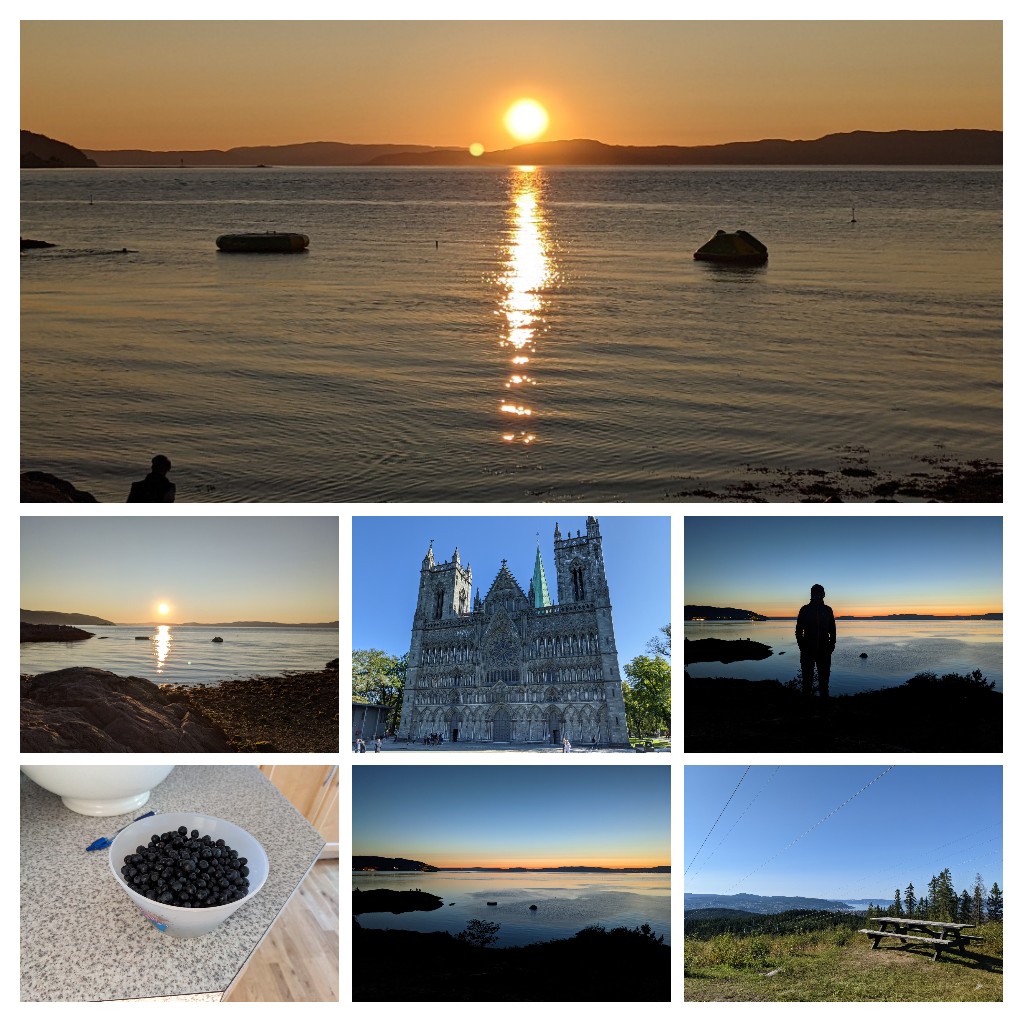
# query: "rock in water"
{"type": "Point", "coordinates": [42, 633]}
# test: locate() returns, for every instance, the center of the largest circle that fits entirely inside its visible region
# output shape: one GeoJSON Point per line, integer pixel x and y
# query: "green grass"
{"type": "Point", "coordinates": [659, 744]}
{"type": "Point", "coordinates": [839, 966]}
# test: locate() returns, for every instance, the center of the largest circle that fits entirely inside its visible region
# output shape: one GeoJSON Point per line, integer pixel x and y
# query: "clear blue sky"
{"type": "Point", "coordinates": [205, 568]}
{"type": "Point", "coordinates": [868, 565]}
{"type": "Point", "coordinates": [387, 553]}
{"type": "Point", "coordinates": [906, 827]}
{"type": "Point", "coordinates": [513, 815]}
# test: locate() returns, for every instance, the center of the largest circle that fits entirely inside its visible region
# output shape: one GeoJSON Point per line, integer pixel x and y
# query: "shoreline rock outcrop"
{"type": "Point", "coordinates": [37, 486]}
{"type": "Point", "coordinates": [42, 633]}
{"type": "Point", "coordinates": [88, 710]}
{"type": "Point", "coordinates": [725, 651]}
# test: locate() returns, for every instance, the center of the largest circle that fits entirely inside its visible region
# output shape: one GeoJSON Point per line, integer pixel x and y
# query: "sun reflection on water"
{"type": "Point", "coordinates": [162, 646]}
{"type": "Point", "coordinates": [527, 274]}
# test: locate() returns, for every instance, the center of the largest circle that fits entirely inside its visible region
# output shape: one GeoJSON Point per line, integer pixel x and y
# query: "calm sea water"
{"type": "Point", "coordinates": [186, 654]}
{"type": "Point", "coordinates": [506, 334]}
{"type": "Point", "coordinates": [896, 651]}
{"type": "Point", "coordinates": [566, 902]}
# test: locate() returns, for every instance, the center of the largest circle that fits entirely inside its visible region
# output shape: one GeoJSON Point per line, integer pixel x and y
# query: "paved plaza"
{"type": "Point", "coordinates": [403, 747]}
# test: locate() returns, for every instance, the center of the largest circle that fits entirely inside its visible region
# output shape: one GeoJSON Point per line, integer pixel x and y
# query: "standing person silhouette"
{"type": "Point", "coordinates": [816, 638]}
{"type": "Point", "coordinates": [155, 487]}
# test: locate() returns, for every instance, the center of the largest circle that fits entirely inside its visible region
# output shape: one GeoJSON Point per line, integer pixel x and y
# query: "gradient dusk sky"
{"type": "Point", "coordinates": [868, 565]}
{"type": "Point", "coordinates": [219, 84]}
{"type": "Point", "coordinates": [773, 838]}
{"type": "Point", "coordinates": [207, 569]}
{"type": "Point", "coordinates": [529, 816]}
{"type": "Point", "coordinates": [387, 554]}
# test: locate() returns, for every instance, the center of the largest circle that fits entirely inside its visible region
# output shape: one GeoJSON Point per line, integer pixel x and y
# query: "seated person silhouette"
{"type": "Point", "coordinates": [155, 487]}
{"type": "Point", "coordinates": [816, 638]}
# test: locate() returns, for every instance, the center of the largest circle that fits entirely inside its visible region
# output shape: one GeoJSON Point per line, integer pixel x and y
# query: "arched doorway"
{"type": "Point", "coordinates": [502, 726]}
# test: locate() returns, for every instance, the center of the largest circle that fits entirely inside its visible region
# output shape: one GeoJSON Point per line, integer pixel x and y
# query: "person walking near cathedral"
{"type": "Point", "coordinates": [816, 638]}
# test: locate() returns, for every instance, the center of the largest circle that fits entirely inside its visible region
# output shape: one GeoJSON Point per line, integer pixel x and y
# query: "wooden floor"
{"type": "Point", "coordinates": [298, 959]}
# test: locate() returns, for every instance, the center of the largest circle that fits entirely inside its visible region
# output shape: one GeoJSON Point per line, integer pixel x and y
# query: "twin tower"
{"type": "Point", "coordinates": [515, 667]}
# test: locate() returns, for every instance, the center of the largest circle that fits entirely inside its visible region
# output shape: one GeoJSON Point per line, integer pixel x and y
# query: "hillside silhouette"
{"type": "Point", "coordinates": [953, 147]}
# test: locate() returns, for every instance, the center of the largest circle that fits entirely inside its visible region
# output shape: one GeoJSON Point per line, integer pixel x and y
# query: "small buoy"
{"type": "Point", "coordinates": [863, 655]}
{"type": "Point", "coordinates": [533, 906]}
{"type": "Point", "coordinates": [853, 215]}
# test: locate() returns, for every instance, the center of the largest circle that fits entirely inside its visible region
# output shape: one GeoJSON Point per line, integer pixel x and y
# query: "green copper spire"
{"type": "Point", "coordinates": [541, 597]}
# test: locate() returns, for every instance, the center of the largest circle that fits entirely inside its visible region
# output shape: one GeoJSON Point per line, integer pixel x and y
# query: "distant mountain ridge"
{"type": "Point", "coordinates": [957, 146]}
{"type": "Point", "coordinates": [755, 904]}
{"type": "Point", "coordinates": [713, 612]}
{"type": "Point", "coordinates": [305, 625]}
{"type": "Point", "coordinates": [41, 151]}
{"type": "Point", "coordinates": [62, 619]}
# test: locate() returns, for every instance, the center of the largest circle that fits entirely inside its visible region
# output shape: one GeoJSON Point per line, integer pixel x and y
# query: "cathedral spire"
{"type": "Point", "coordinates": [539, 586]}
{"type": "Point", "coordinates": [428, 561]}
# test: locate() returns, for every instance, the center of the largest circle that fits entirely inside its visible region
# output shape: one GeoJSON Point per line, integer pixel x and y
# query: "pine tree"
{"type": "Point", "coordinates": [994, 903]}
{"type": "Point", "coordinates": [897, 905]}
{"type": "Point", "coordinates": [946, 899]}
{"type": "Point", "coordinates": [978, 902]}
{"type": "Point", "coordinates": [966, 909]}
{"type": "Point", "coordinates": [908, 899]}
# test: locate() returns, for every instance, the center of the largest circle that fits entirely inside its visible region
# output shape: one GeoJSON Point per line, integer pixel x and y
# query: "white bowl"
{"type": "Point", "coordinates": [100, 790]}
{"type": "Point", "coordinates": [184, 922]}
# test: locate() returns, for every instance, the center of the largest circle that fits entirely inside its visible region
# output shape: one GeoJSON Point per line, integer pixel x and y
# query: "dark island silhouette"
{"type": "Point", "coordinates": [959, 146]}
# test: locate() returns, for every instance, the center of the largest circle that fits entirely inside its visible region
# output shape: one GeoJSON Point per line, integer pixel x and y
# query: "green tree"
{"type": "Point", "coordinates": [966, 909]}
{"type": "Point", "coordinates": [661, 646]}
{"type": "Point", "coordinates": [908, 899]}
{"type": "Point", "coordinates": [896, 909]}
{"type": "Point", "coordinates": [994, 903]}
{"type": "Point", "coordinates": [379, 678]}
{"type": "Point", "coordinates": [479, 933]}
{"type": "Point", "coordinates": [647, 694]}
{"type": "Point", "coordinates": [978, 901]}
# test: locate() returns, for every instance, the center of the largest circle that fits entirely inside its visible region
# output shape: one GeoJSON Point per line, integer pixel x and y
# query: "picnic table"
{"type": "Point", "coordinates": [938, 934]}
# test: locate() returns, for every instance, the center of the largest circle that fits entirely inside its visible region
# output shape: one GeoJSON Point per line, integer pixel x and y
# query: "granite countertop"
{"type": "Point", "coordinates": [82, 938]}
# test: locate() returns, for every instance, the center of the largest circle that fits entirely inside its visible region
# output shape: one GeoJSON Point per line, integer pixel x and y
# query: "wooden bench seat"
{"type": "Point", "coordinates": [906, 938]}
{"type": "Point", "coordinates": [914, 937]}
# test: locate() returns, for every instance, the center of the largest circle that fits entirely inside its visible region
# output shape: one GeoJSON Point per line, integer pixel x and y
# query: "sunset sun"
{"type": "Point", "coordinates": [526, 120]}
{"type": "Point", "coordinates": [163, 608]}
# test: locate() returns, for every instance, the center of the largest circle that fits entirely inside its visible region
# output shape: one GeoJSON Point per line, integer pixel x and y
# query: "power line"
{"type": "Point", "coordinates": [719, 818]}
{"type": "Point", "coordinates": [806, 832]}
{"type": "Point", "coordinates": [753, 801]}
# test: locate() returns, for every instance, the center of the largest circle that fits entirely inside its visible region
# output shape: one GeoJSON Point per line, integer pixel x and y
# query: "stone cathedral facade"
{"type": "Point", "coordinates": [515, 667]}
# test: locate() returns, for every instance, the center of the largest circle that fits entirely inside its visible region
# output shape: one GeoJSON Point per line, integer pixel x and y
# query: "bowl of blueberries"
{"type": "Point", "coordinates": [188, 873]}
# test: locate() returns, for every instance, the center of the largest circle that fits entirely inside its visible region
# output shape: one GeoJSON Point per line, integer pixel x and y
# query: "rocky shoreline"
{"type": "Point", "coordinates": [47, 633]}
{"type": "Point", "coordinates": [295, 713]}
{"type": "Point", "coordinates": [88, 710]}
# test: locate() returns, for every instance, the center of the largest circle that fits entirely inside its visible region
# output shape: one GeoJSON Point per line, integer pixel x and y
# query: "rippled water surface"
{"type": "Point", "coordinates": [505, 335]}
{"type": "Point", "coordinates": [187, 654]}
{"type": "Point", "coordinates": [565, 901]}
{"type": "Point", "coordinates": [896, 651]}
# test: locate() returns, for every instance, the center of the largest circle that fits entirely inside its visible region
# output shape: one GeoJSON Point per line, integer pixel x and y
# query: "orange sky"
{"type": "Point", "coordinates": [194, 85]}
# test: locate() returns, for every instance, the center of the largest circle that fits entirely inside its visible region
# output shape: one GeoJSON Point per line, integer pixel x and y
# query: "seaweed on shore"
{"type": "Point", "coordinates": [295, 713]}
{"type": "Point", "coordinates": [854, 480]}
